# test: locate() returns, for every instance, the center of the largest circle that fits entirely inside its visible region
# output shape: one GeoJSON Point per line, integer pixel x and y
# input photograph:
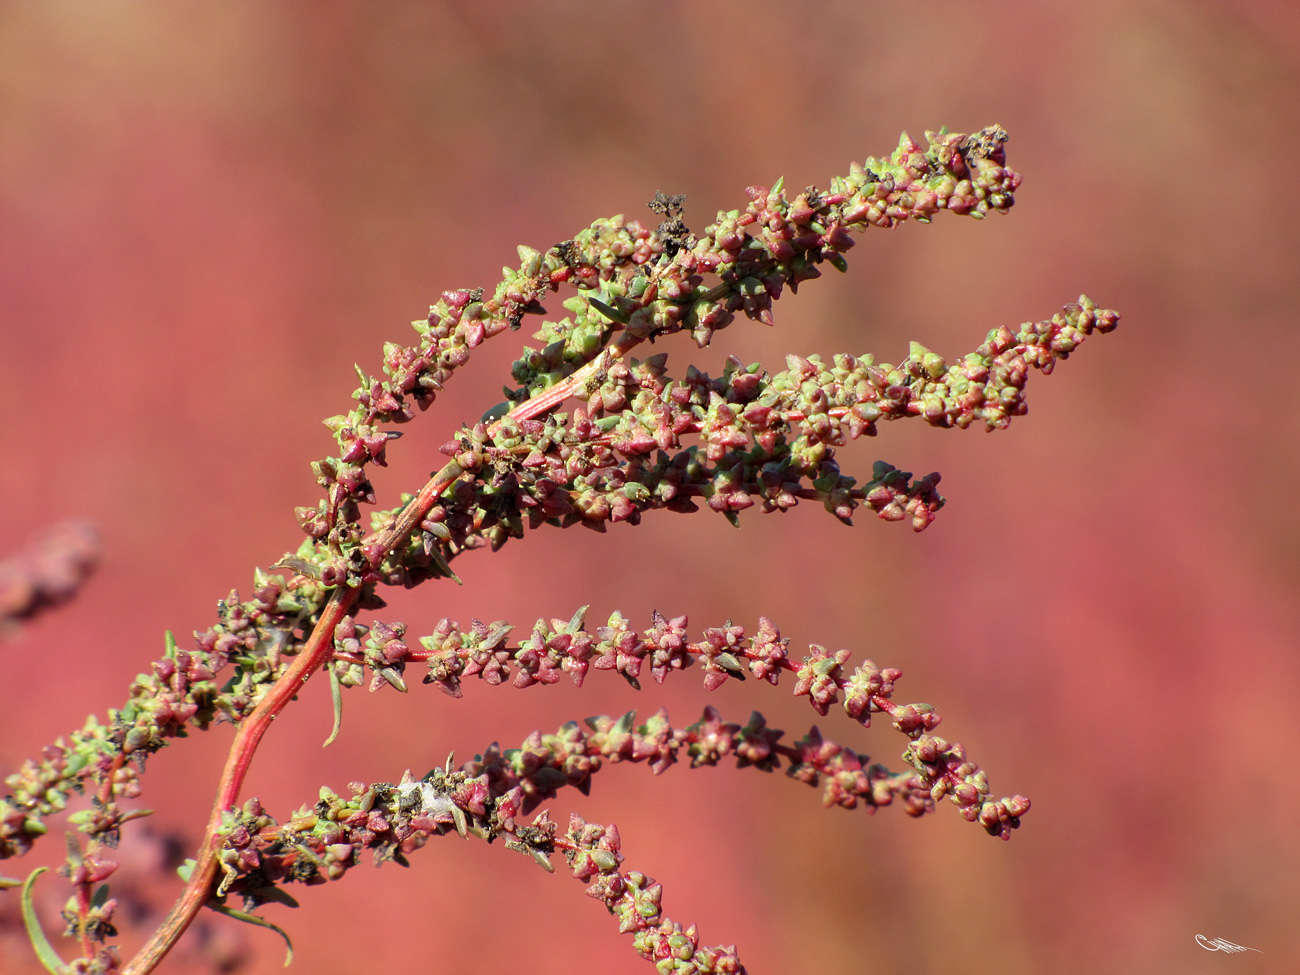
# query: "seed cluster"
{"type": "Point", "coordinates": [763, 439]}
{"type": "Point", "coordinates": [558, 647]}
{"type": "Point", "coordinates": [650, 284]}
{"type": "Point", "coordinates": [488, 796]}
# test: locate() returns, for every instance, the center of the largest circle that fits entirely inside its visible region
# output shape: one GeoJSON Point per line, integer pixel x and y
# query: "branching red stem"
{"type": "Point", "coordinates": [316, 652]}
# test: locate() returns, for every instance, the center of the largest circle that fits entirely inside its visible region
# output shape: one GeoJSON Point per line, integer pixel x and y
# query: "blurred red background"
{"type": "Point", "coordinates": [208, 213]}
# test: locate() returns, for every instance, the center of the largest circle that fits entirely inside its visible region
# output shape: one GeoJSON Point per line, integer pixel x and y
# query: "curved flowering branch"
{"type": "Point", "coordinates": [544, 763]}
{"type": "Point", "coordinates": [560, 647]}
{"type": "Point", "coordinates": [488, 796]}
{"type": "Point", "coordinates": [323, 842]}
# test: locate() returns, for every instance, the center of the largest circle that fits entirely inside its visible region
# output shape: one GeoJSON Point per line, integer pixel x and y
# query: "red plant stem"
{"type": "Point", "coordinates": [317, 651]}
{"type": "Point", "coordinates": [550, 398]}
{"type": "Point", "coordinates": [418, 508]}
{"type": "Point", "coordinates": [83, 889]}
{"type": "Point", "coordinates": [83, 912]}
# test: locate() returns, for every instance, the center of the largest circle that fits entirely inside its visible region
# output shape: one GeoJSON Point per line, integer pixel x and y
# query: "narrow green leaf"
{"type": "Point", "coordinates": [443, 567]}
{"type": "Point", "coordinates": [496, 412]}
{"type": "Point", "coordinates": [462, 823]}
{"type": "Point", "coordinates": [336, 695]}
{"type": "Point", "coordinates": [260, 922]}
{"type": "Point", "coordinates": [393, 677]}
{"type": "Point", "coordinates": [49, 958]}
{"type": "Point", "coordinates": [579, 617]}
{"type": "Point", "coordinates": [730, 662]}
{"type": "Point", "coordinates": [607, 311]}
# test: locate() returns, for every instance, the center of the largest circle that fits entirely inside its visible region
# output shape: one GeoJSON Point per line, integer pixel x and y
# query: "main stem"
{"type": "Point", "coordinates": [314, 654]}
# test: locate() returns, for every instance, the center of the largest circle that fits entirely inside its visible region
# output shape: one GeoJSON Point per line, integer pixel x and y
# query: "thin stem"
{"type": "Point", "coordinates": [316, 651]}
{"type": "Point", "coordinates": [83, 888]}
{"type": "Point", "coordinates": [555, 395]}
{"type": "Point", "coordinates": [83, 913]}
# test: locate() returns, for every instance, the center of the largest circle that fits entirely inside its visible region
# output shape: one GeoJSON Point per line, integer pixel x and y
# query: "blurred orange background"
{"type": "Point", "coordinates": [209, 212]}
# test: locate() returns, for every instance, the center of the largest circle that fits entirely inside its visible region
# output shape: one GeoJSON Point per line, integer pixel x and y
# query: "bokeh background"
{"type": "Point", "coordinates": [209, 212]}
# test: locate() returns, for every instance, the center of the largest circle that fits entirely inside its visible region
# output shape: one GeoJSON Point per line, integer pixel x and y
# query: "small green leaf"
{"type": "Point", "coordinates": [49, 958]}
{"type": "Point", "coordinates": [730, 662]}
{"type": "Point", "coordinates": [336, 695]}
{"type": "Point", "coordinates": [576, 621]}
{"type": "Point", "coordinates": [260, 922]}
{"type": "Point", "coordinates": [393, 677]}
{"type": "Point", "coordinates": [607, 311]}
{"type": "Point", "coordinates": [462, 823]}
{"type": "Point", "coordinates": [496, 412]}
{"type": "Point", "coordinates": [442, 565]}
{"type": "Point", "coordinates": [824, 666]}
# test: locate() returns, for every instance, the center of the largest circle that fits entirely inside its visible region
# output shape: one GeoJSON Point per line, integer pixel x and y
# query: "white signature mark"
{"type": "Point", "coordinates": [1218, 944]}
